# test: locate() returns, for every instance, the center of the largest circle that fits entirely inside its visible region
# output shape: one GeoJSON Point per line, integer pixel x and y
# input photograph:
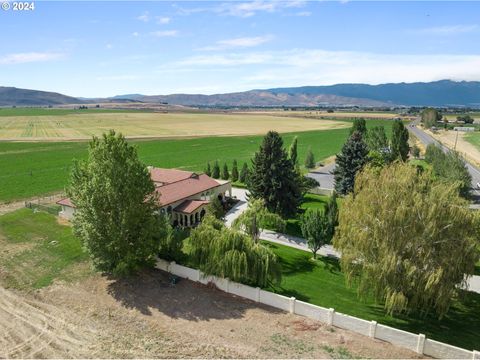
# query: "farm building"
{"type": "Point", "coordinates": [184, 195]}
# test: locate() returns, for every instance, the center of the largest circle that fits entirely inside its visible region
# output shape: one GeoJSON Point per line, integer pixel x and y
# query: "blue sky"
{"type": "Point", "coordinates": [94, 48]}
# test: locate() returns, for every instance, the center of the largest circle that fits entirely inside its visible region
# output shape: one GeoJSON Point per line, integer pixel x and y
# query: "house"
{"type": "Point", "coordinates": [184, 195]}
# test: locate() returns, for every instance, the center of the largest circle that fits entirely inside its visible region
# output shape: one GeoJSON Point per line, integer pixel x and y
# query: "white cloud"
{"type": "Point", "coordinates": [163, 20]}
{"type": "Point", "coordinates": [318, 67]}
{"type": "Point", "coordinates": [245, 9]}
{"type": "Point", "coordinates": [304, 13]}
{"type": "Point", "coordinates": [165, 33]}
{"type": "Point", "coordinates": [145, 17]}
{"type": "Point", "coordinates": [135, 34]}
{"type": "Point", "coordinates": [109, 46]}
{"type": "Point", "coordinates": [22, 58]}
{"type": "Point", "coordinates": [448, 30]}
{"type": "Point", "coordinates": [241, 42]}
{"type": "Point", "coordinates": [118, 77]}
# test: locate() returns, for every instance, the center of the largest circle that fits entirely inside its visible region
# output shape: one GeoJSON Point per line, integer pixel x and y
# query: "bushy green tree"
{"type": "Point", "coordinates": [256, 218]}
{"type": "Point", "coordinates": [349, 162]}
{"type": "Point", "coordinates": [406, 239]}
{"type": "Point", "coordinates": [113, 195]}
{"type": "Point", "coordinates": [450, 167]}
{"type": "Point", "coordinates": [376, 139]}
{"type": "Point", "coordinates": [217, 250]}
{"type": "Point", "coordinates": [430, 116]}
{"type": "Point", "coordinates": [169, 239]}
{"type": "Point", "coordinates": [208, 170]}
{"type": "Point", "coordinates": [331, 210]}
{"type": "Point", "coordinates": [399, 146]}
{"type": "Point", "coordinates": [415, 151]}
{"type": "Point", "coordinates": [360, 126]}
{"type": "Point", "coordinates": [215, 208]}
{"type": "Point", "coordinates": [244, 173]}
{"type": "Point", "coordinates": [310, 159]}
{"type": "Point", "coordinates": [315, 227]}
{"type": "Point", "coordinates": [216, 170]}
{"type": "Point", "coordinates": [235, 171]}
{"type": "Point", "coordinates": [273, 177]}
{"type": "Point", "coordinates": [225, 173]}
{"type": "Point", "coordinates": [293, 152]}
{"type": "Point", "coordinates": [467, 119]}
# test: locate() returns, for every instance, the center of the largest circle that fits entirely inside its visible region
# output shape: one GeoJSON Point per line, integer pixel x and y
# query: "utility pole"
{"type": "Point", "coordinates": [456, 138]}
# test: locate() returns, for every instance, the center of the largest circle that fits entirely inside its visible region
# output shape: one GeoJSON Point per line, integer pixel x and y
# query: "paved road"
{"type": "Point", "coordinates": [427, 139]}
{"type": "Point", "coordinates": [324, 176]}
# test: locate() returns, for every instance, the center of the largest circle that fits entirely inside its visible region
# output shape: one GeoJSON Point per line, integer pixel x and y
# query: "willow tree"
{"type": "Point", "coordinates": [217, 250]}
{"type": "Point", "coordinates": [407, 239]}
{"type": "Point", "coordinates": [256, 218]}
{"type": "Point", "coordinates": [115, 209]}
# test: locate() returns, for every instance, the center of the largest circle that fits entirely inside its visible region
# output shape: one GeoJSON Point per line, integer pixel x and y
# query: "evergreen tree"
{"type": "Point", "coordinates": [399, 144]}
{"type": "Point", "coordinates": [273, 177]}
{"type": "Point", "coordinates": [293, 153]}
{"type": "Point", "coordinates": [349, 162]}
{"type": "Point", "coordinates": [234, 171]}
{"type": "Point", "coordinates": [376, 139]}
{"type": "Point", "coordinates": [244, 173]}
{"type": "Point", "coordinates": [115, 209]}
{"type": "Point", "coordinates": [309, 159]}
{"type": "Point", "coordinates": [360, 126]}
{"type": "Point", "coordinates": [208, 170]}
{"type": "Point", "coordinates": [216, 170]}
{"type": "Point", "coordinates": [225, 173]}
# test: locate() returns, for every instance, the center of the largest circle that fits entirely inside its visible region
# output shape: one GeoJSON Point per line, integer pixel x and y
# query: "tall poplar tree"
{"type": "Point", "coordinates": [399, 145]}
{"type": "Point", "coordinates": [234, 171]}
{"type": "Point", "coordinates": [293, 151]}
{"type": "Point", "coordinates": [273, 177]}
{"type": "Point", "coordinates": [112, 192]}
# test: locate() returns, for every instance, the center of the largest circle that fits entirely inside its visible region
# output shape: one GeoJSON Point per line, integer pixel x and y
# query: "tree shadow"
{"type": "Point", "coordinates": [151, 291]}
{"type": "Point", "coordinates": [330, 263]}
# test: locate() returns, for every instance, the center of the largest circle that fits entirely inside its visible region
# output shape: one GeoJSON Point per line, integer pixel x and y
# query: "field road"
{"type": "Point", "coordinates": [427, 139]}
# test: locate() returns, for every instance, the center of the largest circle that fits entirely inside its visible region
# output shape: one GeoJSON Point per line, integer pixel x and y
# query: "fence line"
{"type": "Point", "coordinates": [415, 342]}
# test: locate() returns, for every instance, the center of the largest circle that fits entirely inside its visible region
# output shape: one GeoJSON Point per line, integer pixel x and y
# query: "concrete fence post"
{"type": "Point", "coordinates": [420, 343]}
{"type": "Point", "coordinates": [331, 312]}
{"type": "Point", "coordinates": [257, 294]}
{"type": "Point", "coordinates": [476, 355]}
{"type": "Point", "coordinates": [169, 268]}
{"type": "Point", "coordinates": [228, 284]}
{"type": "Point", "coordinates": [292, 305]}
{"type": "Point", "coordinates": [373, 329]}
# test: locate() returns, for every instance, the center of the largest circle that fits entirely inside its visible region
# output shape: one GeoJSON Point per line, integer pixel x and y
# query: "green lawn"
{"type": "Point", "coordinates": [322, 283]}
{"type": "Point", "coordinates": [36, 168]}
{"type": "Point", "coordinates": [37, 250]}
{"type": "Point", "coordinates": [473, 138]}
{"type": "Point", "coordinates": [310, 201]}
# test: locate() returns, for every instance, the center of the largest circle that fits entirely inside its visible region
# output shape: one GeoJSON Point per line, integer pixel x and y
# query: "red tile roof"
{"type": "Point", "coordinates": [182, 189]}
{"type": "Point", "coordinates": [65, 202]}
{"type": "Point", "coordinates": [189, 206]}
{"type": "Point", "coordinates": [168, 176]}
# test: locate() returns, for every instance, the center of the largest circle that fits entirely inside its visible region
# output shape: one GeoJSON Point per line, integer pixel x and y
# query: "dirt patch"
{"type": "Point", "coordinates": [146, 317]}
{"type": "Point", "coordinates": [448, 138]}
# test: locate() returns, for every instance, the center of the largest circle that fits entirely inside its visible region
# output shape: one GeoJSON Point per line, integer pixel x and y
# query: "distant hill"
{"type": "Point", "coordinates": [436, 93]}
{"type": "Point", "coordinates": [261, 98]}
{"type": "Point", "coordinates": [11, 96]}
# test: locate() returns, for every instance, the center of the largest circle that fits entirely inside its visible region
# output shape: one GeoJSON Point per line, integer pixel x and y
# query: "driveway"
{"type": "Point", "coordinates": [324, 176]}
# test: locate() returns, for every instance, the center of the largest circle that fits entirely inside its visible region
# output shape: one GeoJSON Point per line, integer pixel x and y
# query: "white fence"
{"type": "Point", "coordinates": [415, 342]}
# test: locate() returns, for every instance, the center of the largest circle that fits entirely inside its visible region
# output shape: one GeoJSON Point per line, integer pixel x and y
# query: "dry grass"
{"type": "Point", "coordinates": [153, 125]}
{"type": "Point", "coordinates": [144, 317]}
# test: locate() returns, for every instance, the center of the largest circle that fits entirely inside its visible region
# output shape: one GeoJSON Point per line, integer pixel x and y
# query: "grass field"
{"type": "Point", "coordinates": [310, 201]}
{"type": "Point", "coordinates": [36, 168]}
{"type": "Point", "coordinates": [321, 282]}
{"type": "Point", "coordinates": [60, 112]}
{"type": "Point", "coordinates": [36, 250]}
{"type": "Point", "coordinates": [78, 126]}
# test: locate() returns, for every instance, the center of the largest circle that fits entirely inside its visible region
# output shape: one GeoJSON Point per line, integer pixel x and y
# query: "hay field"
{"type": "Point", "coordinates": [153, 125]}
{"type": "Point", "coordinates": [340, 115]}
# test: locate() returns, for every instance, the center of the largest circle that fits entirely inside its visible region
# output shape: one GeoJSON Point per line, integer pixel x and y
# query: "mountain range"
{"type": "Point", "coordinates": [437, 93]}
